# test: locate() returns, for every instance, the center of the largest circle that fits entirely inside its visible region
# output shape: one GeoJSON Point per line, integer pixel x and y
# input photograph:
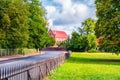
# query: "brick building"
{"type": "Point", "coordinates": [59, 36]}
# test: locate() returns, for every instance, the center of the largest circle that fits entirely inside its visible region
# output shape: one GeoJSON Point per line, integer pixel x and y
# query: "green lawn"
{"type": "Point", "coordinates": [89, 66]}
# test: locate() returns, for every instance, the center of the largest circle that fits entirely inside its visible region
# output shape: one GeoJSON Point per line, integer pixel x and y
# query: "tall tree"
{"type": "Point", "coordinates": [108, 24]}
{"type": "Point", "coordinates": [84, 39]}
{"type": "Point", "coordinates": [89, 26]}
{"type": "Point", "coordinates": [39, 36]}
{"type": "Point", "coordinates": [13, 23]}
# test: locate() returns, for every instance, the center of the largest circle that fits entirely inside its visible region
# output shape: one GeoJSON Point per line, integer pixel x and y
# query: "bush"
{"type": "Point", "coordinates": [29, 51]}
{"type": "Point", "coordinates": [10, 52]}
{"type": "Point", "coordinates": [93, 51]}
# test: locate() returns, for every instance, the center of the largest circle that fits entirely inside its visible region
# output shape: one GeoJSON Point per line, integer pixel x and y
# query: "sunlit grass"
{"type": "Point", "coordinates": [89, 66]}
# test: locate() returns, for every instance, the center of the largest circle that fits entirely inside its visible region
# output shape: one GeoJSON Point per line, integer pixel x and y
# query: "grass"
{"type": "Point", "coordinates": [88, 66]}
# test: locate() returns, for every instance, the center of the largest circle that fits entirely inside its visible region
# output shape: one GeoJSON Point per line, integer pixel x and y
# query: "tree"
{"type": "Point", "coordinates": [38, 31]}
{"type": "Point", "coordinates": [89, 26]}
{"type": "Point", "coordinates": [108, 24]}
{"type": "Point", "coordinates": [23, 25]}
{"type": "Point", "coordinates": [14, 24]}
{"type": "Point", "coordinates": [84, 39]}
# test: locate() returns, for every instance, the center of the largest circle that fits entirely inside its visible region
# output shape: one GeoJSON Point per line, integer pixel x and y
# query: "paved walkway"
{"type": "Point", "coordinates": [31, 59]}
{"type": "Point", "coordinates": [16, 56]}
{"type": "Point", "coordinates": [31, 67]}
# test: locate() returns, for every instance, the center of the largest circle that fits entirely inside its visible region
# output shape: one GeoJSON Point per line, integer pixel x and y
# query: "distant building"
{"type": "Point", "coordinates": [59, 36]}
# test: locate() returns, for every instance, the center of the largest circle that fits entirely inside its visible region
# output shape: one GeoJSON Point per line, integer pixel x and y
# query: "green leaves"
{"type": "Point", "coordinates": [108, 24]}
{"type": "Point", "coordinates": [89, 25]}
{"type": "Point", "coordinates": [22, 24]}
{"type": "Point", "coordinates": [84, 39]}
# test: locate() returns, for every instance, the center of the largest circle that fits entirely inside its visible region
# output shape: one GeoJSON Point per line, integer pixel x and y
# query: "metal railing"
{"type": "Point", "coordinates": [30, 70]}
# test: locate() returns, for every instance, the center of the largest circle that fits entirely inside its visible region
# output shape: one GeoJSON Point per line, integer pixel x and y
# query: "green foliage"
{"type": "Point", "coordinates": [89, 25]}
{"type": "Point", "coordinates": [86, 66]}
{"type": "Point", "coordinates": [65, 44]}
{"type": "Point", "coordinates": [84, 39]}
{"type": "Point", "coordinates": [37, 25]}
{"type": "Point", "coordinates": [108, 24]}
{"type": "Point", "coordinates": [23, 25]}
{"type": "Point", "coordinates": [26, 51]}
{"type": "Point", "coordinates": [9, 52]}
{"type": "Point", "coordinates": [91, 40]}
{"type": "Point", "coordinates": [38, 35]}
{"type": "Point", "coordinates": [78, 42]}
{"type": "Point", "coordinates": [13, 26]}
{"type": "Point", "coordinates": [93, 51]}
{"type": "Point", "coordinates": [50, 41]}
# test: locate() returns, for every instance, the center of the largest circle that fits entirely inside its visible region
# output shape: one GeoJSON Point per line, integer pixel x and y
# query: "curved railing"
{"type": "Point", "coordinates": [33, 68]}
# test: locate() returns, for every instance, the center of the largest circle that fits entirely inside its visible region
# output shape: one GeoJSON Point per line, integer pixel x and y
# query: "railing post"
{"type": "Point", "coordinates": [40, 73]}
{"type": "Point", "coordinates": [28, 75]}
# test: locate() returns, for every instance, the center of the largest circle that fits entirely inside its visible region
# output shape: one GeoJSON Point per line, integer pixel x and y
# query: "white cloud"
{"type": "Point", "coordinates": [69, 14]}
{"type": "Point", "coordinates": [90, 2]}
{"type": "Point", "coordinates": [72, 13]}
{"type": "Point", "coordinates": [81, 10]}
{"type": "Point", "coordinates": [50, 11]}
{"type": "Point", "coordinates": [50, 21]}
{"type": "Point", "coordinates": [65, 4]}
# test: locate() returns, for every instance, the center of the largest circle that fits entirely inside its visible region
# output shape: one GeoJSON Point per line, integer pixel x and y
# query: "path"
{"type": "Point", "coordinates": [40, 65]}
{"type": "Point", "coordinates": [31, 59]}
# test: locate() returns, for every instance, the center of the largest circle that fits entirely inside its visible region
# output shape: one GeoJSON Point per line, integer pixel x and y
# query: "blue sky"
{"type": "Point", "coordinates": [67, 15]}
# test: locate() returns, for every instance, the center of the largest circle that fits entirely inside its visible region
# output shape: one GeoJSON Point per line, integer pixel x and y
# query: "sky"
{"type": "Point", "coordinates": [67, 15]}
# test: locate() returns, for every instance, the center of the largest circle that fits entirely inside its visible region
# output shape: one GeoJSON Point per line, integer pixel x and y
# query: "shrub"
{"type": "Point", "coordinates": [10, 52]}
{"type": "Point", "coordinates": [93, 51]}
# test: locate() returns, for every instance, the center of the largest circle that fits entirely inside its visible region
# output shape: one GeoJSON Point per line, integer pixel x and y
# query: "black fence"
{"type": "Point", "coordinates": [31, 71]}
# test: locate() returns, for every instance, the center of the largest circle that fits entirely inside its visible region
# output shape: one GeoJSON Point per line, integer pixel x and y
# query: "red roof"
{"type": "Point", "coordinates": [60, 34]}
